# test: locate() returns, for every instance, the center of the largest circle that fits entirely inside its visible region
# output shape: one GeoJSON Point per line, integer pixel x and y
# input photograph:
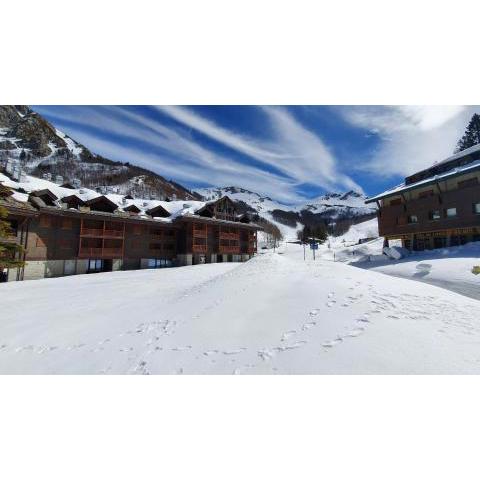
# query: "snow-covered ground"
{"type": "Point", "coordinates": [274, 314]}
{"type": "Point", "coordinates": [449, 268]}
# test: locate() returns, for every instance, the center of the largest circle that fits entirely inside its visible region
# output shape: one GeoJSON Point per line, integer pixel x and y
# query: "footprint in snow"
{"type": "Point", "coordinates": [287, 335]}
{"type": "Point", "coordinates": [332, 343]}
{"type": "Point", "coordinates": [291, 347]}
{"type": "Point", "coordinates": [331, 303]}
{"type": "Point", "coordinates": [266, 354]}
{"type": "Point", "coordinates": [355, 332]}
{"type": "Point", "coordinates": [314, 312]}
{"type": "Point", "coordinates": [181, 349]}
{"type": "Point", "coordinates": [331, 294]}
{"type": "Point", "coordinates": [234, 352]}
{"type": "Point", "coordinates": [210, 352]}
{"type": "Point", "coordinates": [308, 325]}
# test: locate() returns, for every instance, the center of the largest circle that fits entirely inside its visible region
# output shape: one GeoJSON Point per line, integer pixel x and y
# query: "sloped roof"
{"type": "Point", "coordinates": [455, 172]}
{"type": "Point", "coordinates": [174, 209]}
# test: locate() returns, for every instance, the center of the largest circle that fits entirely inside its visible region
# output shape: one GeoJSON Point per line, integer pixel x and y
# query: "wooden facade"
{"type": "Point", "coordinates": [433, 212]}
{"type": "Point", "coordinates": [78, 238]}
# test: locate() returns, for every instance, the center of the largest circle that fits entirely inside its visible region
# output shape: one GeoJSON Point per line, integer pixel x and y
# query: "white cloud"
{"type": "Point", "coordinates": [411, 137]}
{"type": "Point", "coordinates": [180, 158]}
{"type": "Point", "coordinates": [295, 151]}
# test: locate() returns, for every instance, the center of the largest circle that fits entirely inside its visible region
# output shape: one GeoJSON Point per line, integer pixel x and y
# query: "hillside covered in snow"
{"type": "Point", "coordinates": [42, 150]}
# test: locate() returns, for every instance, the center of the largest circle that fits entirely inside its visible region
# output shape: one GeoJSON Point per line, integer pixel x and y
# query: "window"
{"type": "Point", "coordinates": [439, 242]}
{"type": "Point", "coordinates": [434, 215]}
{"type": "Point", "coordinates": [412, 219]}
{"type": "Point", "coordinates": [451, 212]}
{"type": "Point", "coordinates": [95, 265]}
{"type": "Point", "coordinates": [159, 263]}
{"type": "Point", "coordinates": [152, 263]}
{"type": "Point", "coordinates": [476, 208]}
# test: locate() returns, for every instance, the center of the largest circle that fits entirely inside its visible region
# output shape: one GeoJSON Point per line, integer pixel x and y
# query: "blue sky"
{"type": "Point", "coordinates": [290, 153]}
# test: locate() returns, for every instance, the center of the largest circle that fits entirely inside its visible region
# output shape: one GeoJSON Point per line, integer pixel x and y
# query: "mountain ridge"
{"type": "Point", "coordinates": [42, 149]}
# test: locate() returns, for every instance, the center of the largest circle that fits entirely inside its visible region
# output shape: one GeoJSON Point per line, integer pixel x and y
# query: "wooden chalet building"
{"type": "Point", "coordinates": [75, 234]}
{"type": "Point", "coordinates": [436, 207]}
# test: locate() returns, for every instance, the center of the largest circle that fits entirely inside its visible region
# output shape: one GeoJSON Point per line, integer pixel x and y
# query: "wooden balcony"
{"type": "Point", "coordinates": [199, 248]}
{"type": "Point", "coordinates": [229, 249]}
{"type": "Point", "coordinates": [199, 233]}
{"type": "Point", "coordinates": [91, 232]}
{"type": "Point", "coordinates": [100, 233]}
{"type": "Point", "coordinates": [99, 252]}
{"type": "Point", "coordinates": [229, 236]}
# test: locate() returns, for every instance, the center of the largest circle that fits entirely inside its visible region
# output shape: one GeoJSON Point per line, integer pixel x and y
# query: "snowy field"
{"type": "Point", "coordinates": [274, 314]}
{"type": "Point", "coordinates": [449, 268]}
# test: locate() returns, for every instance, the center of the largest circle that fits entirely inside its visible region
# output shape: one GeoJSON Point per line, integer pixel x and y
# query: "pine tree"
{"type": "Point", "coordinates": [8, 249]}
{"type": "Point", "coordinates": [471, 136]}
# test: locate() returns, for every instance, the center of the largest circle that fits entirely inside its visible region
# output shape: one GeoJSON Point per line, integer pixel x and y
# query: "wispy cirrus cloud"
{"type": "Point", "coordinates": [166, 151]}
{"type": "Point", "coordinates": [293, 149]}
{"type": "Point", "coordinates": [276, 164]}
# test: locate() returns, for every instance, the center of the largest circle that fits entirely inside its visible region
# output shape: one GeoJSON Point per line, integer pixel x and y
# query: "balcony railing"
{"type": "Point", "coordinates": [91, 232]}
{"type": "Point", "coordinates": [98, 252]}
{"type": "Point", "coordinates": [229, 236]}
{"type": "Point", "coordinates": [101, 233]}
{"type": "Point", "coordinates": [199, 248]}
{"type": "Point", "coordinates": [229, 249]}
{"type": "Point", "coordinates": [199, 233]}
{"type": "Point", "coordinates": [113, 233]}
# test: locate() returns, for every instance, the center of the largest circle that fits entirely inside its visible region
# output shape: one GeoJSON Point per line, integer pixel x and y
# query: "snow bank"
{"type": "Point", "coordinates": [450, 268]}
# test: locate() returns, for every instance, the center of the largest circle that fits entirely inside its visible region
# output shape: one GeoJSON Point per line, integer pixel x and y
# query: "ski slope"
{"type": "Point", "coordinates": [276, 314]}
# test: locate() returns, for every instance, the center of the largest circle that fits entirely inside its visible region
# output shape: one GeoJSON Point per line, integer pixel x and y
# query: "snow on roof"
{"type": "Point", "coordinates": [458, 155]}
{"type": "Point", "coordinates": [31, 184]}
{"type": "Point", "coordinates": [427, 181]}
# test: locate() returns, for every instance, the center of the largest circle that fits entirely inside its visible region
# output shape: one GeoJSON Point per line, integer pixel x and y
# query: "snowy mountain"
{"type": "Point", "coordinates": [331, 205]}
{"type": "Point", "coordinates": [255, 201]}
{"type": "Point", "coordinates": [331, 208]}
{"type": "Point", "coordinates": [349, 204]}
{"type": "Point", "coordinates": [43, 149]}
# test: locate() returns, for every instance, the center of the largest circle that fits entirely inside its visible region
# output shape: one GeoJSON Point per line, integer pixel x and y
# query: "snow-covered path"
{"type": "Point", "coordinates": [273, 314]}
